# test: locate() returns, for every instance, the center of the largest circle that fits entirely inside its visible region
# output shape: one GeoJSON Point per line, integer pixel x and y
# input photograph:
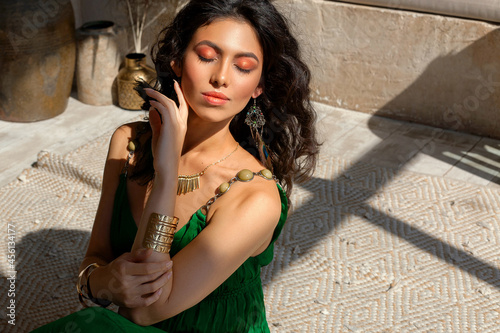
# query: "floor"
{"type": "Point", "coordinates": [351, 135]}
{"type": "Point", "coordinates": [410, 147]}
{"type": "Point", "coordinates": [77, 125]}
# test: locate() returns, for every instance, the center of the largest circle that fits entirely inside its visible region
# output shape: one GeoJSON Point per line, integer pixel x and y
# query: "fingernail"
{"type": "Point", "coordinates": [170, 264]}
{"type": "Point", "coordinates": [169, 275]}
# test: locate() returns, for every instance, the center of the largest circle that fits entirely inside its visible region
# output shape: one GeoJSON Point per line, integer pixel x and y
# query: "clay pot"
{"type": "Point", "coordinates": [37, 58]}
{"type": "Point", "coordinates": [135, 69]}
{"type": "Point", "coordinates": [97, 62]}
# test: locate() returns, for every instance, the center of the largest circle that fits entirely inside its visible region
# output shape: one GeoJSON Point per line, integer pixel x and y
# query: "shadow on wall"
{"type": "Point", "coordinates": [460, 84]}
{"type": "Point", "coordinates": [455, 92]}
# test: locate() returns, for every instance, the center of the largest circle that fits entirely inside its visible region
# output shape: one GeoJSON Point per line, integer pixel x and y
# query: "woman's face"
{"type": "Point", "coordinates": [221, 69]}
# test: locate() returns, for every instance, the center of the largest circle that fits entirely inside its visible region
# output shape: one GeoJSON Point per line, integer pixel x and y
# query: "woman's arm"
{"type": "Point", "coordinates": [126, 279]}
{"type": "Point", "coordinates": [240, 225]}
{"type": "Point", "coordinates": [168, 124]}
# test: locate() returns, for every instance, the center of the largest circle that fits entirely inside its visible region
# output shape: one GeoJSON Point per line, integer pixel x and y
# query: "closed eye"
{"type": "Point", "coordinates": [203, 59]}
{"type": "Point", "coordinates": [246, 71]}
{"type": "Point", "coordinates": [246, 64]}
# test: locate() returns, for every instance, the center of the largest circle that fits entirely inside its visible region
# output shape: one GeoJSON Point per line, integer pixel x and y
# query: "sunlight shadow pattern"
{"type": "Point", "coordinates": [372, 249]}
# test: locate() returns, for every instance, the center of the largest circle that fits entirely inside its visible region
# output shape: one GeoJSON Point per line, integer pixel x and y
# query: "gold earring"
{"type": "Point", "coordinates": [256, 121]}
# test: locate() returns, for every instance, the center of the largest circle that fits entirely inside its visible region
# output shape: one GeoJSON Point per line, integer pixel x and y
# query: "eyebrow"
{"type": "Point", "coordinates": [219, 50]}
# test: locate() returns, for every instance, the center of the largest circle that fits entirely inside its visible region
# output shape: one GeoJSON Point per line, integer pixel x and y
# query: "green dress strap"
{"type": "Point", "coordinates": [123, 226]}
{"type": "Point", "coordinates": [122, 220]}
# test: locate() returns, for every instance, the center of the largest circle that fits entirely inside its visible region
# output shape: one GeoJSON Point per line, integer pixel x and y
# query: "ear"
{"type": "Point", "coordinates": [176, 68]}
{"type": "Point", "coordinates": [257, 92]}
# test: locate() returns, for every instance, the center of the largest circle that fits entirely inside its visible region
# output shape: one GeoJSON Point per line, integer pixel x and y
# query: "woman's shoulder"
{"type": "Point", "coordinates": [261, 186]}
{"type": "Point", "coordinates": [119, 144]}
{"type": "Point", "coordinates": [260, 194]}
{"type": "Point", "coordinates": [129, 131]}
{"type": "Point", "coordinates": [252, 193]}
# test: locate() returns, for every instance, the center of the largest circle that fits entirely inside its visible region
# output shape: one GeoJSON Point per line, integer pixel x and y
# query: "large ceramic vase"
{"type": "Point", "coordinates": [37, 58]}
{"type": "Point", "coordinates": [135, 70]}
{"type": "Point", "coordinates": [97, 62]}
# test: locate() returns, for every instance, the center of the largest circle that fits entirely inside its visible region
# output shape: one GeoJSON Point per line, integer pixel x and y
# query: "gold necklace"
{"type": "Point", "coordinates": [189, 183]}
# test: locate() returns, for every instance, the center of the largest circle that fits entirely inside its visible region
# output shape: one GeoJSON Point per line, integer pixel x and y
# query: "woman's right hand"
{"type": "Point", "coordinates": [169, 125]}
{"type": "Point", "coordinates": [130, 282]}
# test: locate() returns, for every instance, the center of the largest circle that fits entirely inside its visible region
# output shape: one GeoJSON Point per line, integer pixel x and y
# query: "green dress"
{"type": "Point", "coordinates": [237, 305]}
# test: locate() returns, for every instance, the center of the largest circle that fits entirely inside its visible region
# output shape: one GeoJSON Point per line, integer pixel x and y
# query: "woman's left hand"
{"type": "Point", "coordinates": [169, 124]}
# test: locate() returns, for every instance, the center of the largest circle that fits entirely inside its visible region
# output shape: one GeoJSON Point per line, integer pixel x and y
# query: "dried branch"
{"type": "Point", "coordinates": [137, 18]}
{"type": "Point", "coordinates": [132, 23]}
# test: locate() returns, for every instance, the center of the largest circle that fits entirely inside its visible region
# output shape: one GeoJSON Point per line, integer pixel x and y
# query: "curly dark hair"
{"type": "Point", "coordinates": [290, 118]}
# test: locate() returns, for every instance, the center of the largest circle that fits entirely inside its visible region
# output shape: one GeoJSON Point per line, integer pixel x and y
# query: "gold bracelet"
{"type": "Point", "coordinates": [83, 289]}
{"type": "Point", "coordinates": [81, 286]}
{"type": "Point", "coordinates": [160, 232]}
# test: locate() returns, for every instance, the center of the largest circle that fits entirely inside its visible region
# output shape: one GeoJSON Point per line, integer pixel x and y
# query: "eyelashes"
{"type": "Point", "coordinates": [203, 59]}
{"type": "Point", "coordinates": [210, 60]}
{"type": "Point", "coordinates": [245, 71]}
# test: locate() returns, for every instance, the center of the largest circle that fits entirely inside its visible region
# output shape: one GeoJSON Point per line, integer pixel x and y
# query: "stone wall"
{"type": "Point", "coordinates": [425, 68]}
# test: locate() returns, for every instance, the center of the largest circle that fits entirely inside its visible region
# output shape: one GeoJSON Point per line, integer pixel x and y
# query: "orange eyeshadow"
{"type": "Point", "coordinates": [246, 63]}
{"type": "Point", "coordinates": [206, 52]}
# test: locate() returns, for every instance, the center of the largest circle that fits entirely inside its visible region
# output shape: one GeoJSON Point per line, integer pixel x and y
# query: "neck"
{"type": "Point", "coordinates": [207, 137]}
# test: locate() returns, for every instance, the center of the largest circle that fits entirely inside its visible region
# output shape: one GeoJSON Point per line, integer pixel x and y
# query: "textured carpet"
{"type": "Point", "coordinates": [366, 249]}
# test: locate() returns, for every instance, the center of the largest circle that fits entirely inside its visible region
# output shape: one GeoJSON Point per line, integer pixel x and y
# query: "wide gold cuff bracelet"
{"type": "Point", "coordinates": [160, 232]}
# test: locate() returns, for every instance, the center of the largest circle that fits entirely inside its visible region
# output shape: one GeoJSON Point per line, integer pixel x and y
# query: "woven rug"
{"type": "Point", "coordinates": [366, 249]}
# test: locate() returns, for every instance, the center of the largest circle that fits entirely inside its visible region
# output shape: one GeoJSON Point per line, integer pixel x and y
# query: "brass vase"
{"type": "Point", "coordinates": [135, 70]}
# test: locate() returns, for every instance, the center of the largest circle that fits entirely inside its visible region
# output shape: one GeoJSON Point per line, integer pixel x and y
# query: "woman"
{"type": "Point", "coordinates": [230, 78]}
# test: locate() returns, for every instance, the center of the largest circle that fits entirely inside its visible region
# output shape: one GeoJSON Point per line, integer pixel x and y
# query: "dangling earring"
{"type": "Point", "coordinates": [256, 121]}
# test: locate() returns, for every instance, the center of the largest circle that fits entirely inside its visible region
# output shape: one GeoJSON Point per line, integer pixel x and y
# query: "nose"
{"type": "Point", "coordinates": [220, 76]}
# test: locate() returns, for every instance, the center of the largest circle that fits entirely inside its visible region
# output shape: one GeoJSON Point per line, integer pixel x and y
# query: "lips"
{"type": "Point", "coordinates": [215, 98]}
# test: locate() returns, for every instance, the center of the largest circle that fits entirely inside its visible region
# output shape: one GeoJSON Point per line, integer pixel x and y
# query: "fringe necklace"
{"type": "Point", "coordinates": [189, 183]}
